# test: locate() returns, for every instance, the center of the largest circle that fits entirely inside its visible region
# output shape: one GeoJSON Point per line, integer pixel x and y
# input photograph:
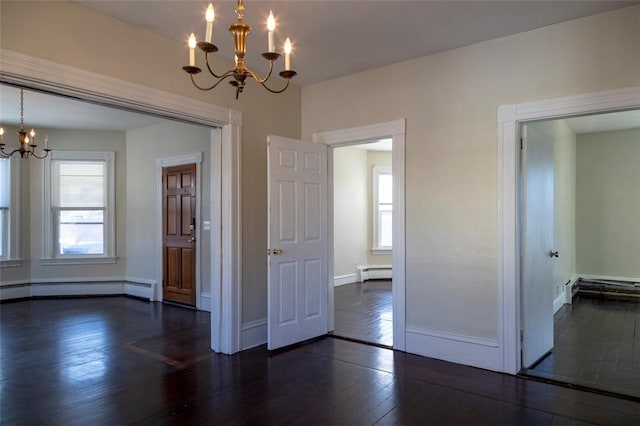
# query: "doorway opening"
{"type": "Point", "coordinates": [579, 228]}
{"type": "Point", "coordinates": [363, 242]}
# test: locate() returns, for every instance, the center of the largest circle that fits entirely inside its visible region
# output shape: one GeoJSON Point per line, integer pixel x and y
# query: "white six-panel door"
{"type": "Point", "coordinates": [297, 252]}
{"type": "Point", "coordinates": [537, 264]}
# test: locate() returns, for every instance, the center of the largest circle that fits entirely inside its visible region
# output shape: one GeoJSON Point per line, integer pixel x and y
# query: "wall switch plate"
{"type": "Point", "coordinates": [206, 225]}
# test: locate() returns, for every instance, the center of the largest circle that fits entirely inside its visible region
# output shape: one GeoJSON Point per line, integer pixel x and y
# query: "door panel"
{"type": "Point", "coordinates": [537, 265]}
{"type": "Point", "coordinates": [179, 256]}
{"type": "Point", "coordinates": [298, 286]}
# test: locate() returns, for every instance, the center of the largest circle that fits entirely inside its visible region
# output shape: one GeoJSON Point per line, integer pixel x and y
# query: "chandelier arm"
{"type": "Point", "coordinates": [258, 79]}
{"type": "Point", "coordinates": [40, 157]}
{"type": "Point", "coordinates": [276, 91]}
{"type": "Point", "coordinates": [206, 60]}
{"type": "Point", "coordinates": [214, 85]}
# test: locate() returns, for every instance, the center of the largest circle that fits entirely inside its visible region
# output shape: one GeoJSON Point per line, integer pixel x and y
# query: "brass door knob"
{"type": "Point", "coordinates": [274, 251]}
{"type": "Point", "coordinates": [191, 240]}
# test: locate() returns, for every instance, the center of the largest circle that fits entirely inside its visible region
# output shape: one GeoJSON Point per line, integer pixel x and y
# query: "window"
{"type": "Point", "coordinates": [9, 212]}
{"type": "Point", "coordinates": [80, 207]}
{"type": "Point", "coordinates": [382, 209]}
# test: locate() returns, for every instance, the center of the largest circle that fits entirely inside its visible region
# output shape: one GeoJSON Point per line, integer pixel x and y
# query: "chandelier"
{"type": "Point", "coordinates": [240, 73]}
{"type": "Point", "coordinates": [27, 139]}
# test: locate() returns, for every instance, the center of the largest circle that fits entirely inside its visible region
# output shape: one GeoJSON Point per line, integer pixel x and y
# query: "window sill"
{"type": "Point", "coordinates": [381, 251]}
{"type": "Point", "coordinates": [78, 260]}
{"type": "Point", "coordinates": [11, 263]}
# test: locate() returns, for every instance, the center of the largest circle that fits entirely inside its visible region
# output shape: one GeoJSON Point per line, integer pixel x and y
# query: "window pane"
{"type": "Point", "coordinates": [386, 227]}
{"type": "Point", "coordinates": [81, 184]}
{"type": "Point", "coordinates": [385, 188]}
{"type": "Point", "coordinates": [81, 232]}
{"type": "Point", "coordinates": [4, 183]}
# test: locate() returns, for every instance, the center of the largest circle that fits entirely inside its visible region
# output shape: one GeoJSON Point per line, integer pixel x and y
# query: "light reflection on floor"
{"type": "Point", "coordinates": [81, 348]}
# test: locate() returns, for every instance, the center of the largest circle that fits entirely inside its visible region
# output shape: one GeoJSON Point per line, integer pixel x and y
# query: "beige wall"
{"type": "Point", "coordinates": [450, 101]}
{"type": "Point", "coordinates": [350, 210]}
{"type": "Point", "coordinates": [144, 147]}
{"type": "Point", "coordinates": [70, 34]}
{"type": "Point", "coordinates": [608, 203]}
{"type": "Point", "coordinates": [80, 140]}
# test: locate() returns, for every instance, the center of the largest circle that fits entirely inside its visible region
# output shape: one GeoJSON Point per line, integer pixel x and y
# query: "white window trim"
{"type": "Point", "coordinates": [13, 258]}
{"type": "Point", "coordinates": [49, 256]}
{"type": "Point", "coordinates": [376, 172]}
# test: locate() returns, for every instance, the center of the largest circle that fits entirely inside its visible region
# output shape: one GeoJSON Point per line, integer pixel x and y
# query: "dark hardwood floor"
{"type": "Point", "coordinates": [364, 311]}
{"type": "Point", "coordinates": [597, 345]}
{"type": "Point", "coordinates": [118, 361]}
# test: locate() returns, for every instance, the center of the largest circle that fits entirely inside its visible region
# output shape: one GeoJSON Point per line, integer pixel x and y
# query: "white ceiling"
{"type": "Point", "coordinates": [333, 38]}
{"type": "Point", "coordinates": [605, 122]}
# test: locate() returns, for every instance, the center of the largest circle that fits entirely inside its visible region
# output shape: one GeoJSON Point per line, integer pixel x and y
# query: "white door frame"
{"type": "Point", "coordinates": [509, 119]}
{"type": "Point", "coordinates": [344, 137]}
{"type": "Point", "coordinates": [226, 276]}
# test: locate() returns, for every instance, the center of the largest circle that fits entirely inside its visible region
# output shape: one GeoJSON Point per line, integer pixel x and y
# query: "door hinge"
{"type": "Point", "coordinates": [521, 336]}
{"type": "Point", "coordinates": [521, 142]}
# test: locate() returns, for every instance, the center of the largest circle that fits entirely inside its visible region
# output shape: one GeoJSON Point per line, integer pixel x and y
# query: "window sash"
{"type": "Point", "coordinates": [382, 208]}
{"type": "Point", "coordinates": [100, 247]}
{"type": "Point", "coordinates": [85, 245]}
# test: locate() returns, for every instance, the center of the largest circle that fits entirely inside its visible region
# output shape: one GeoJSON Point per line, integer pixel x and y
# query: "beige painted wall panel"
{"type": "Point", "coordinates": [350, 207]}
{"type": "Point", "coordinates": [144, 147]}
{"type": "Point", "coordinates": [608, 203]}
{"type": "Point", "coordinates": [20, 273]}
{"type": "Point", "coordinates": [59, 31]}
{"type": "Point", "coordinates": [450, 103]}
{"type": "Point", "coordinates": [80, 140]}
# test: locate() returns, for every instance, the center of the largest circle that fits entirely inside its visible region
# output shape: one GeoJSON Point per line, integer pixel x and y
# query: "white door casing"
{"type": "Point", "coordinates": [537, 244]}
{"type": "Point", "coordinates": [226, 236]}
{"type": "Point", "coordinates": [509, 118]}
{"type": "Point", "coordinates": [297, 281]}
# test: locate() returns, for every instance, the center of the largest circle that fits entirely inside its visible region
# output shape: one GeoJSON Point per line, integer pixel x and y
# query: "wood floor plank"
{"type": "Point", "coordinates": [79, 362]}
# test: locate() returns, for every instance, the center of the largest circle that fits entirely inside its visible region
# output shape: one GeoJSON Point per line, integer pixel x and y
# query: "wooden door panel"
{"type": "Point", "coordinates": [179, 259]}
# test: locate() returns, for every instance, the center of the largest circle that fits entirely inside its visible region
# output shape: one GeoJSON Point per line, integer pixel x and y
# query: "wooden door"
{"type": "Point", "coordinates": [178, 239]}
{"type": "Point", "coordinates": [297, 277]}
{"type": "Point", "coordinates": [537, 245]}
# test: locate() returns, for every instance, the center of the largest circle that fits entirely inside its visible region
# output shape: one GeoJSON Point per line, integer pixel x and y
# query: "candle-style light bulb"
{"type": "Point", "coordinates": [46, 141]}
{"type": "Point", "coordinates": [192, 50]}
{"type": "Point", "coordinates": [287, 54]}
{"type": "Point", "coordinates": [32, 133]}
{"type": "Point", "coordinates": [271, 27]}
{"type": "Point", "coordinates": [210, 15]}
{"type": "Point", "coordinates": [1, 133]}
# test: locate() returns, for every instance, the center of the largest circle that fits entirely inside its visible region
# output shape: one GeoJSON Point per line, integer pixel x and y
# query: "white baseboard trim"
{"type": "Point", "coordinates": [254, 333]}
{"type": "Point", "coordinates": [85, 288]}
{"type": "Point", "coordinates": [142, 290]}
{"type": "Point", "coordinates": [609, 278]}
{"type": "Point", "coordinates": [372, 272]}
{"type": "Point", "coordinates": [15, 290]}
{"type": "Point", "coordinates": [473, 351]}
{"type": "Point", "coordinates": [344, 279]}
{"type": "Point", "coordinates": [205, 302]}
{"type": "Point", "coordinates": [568, 289]}
{"type": "Point", "coordinates": [559, 301]}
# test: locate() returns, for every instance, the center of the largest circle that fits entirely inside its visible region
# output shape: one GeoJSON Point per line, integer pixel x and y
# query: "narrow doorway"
{"type": "Point", "coordinates": [590, 307]}
{"type": "Point", "coordinates": [362, 242]}
{"type": "Point", "coordinates": [178, 235]}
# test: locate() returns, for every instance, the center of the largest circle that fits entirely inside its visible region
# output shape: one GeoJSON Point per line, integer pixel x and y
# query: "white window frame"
{"type": "Point", "coordinates": [377, 171]}
{"type": "Point", "coordinates": [50, 255]}
{"type": "Point", "coordinates": [12, 256]}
